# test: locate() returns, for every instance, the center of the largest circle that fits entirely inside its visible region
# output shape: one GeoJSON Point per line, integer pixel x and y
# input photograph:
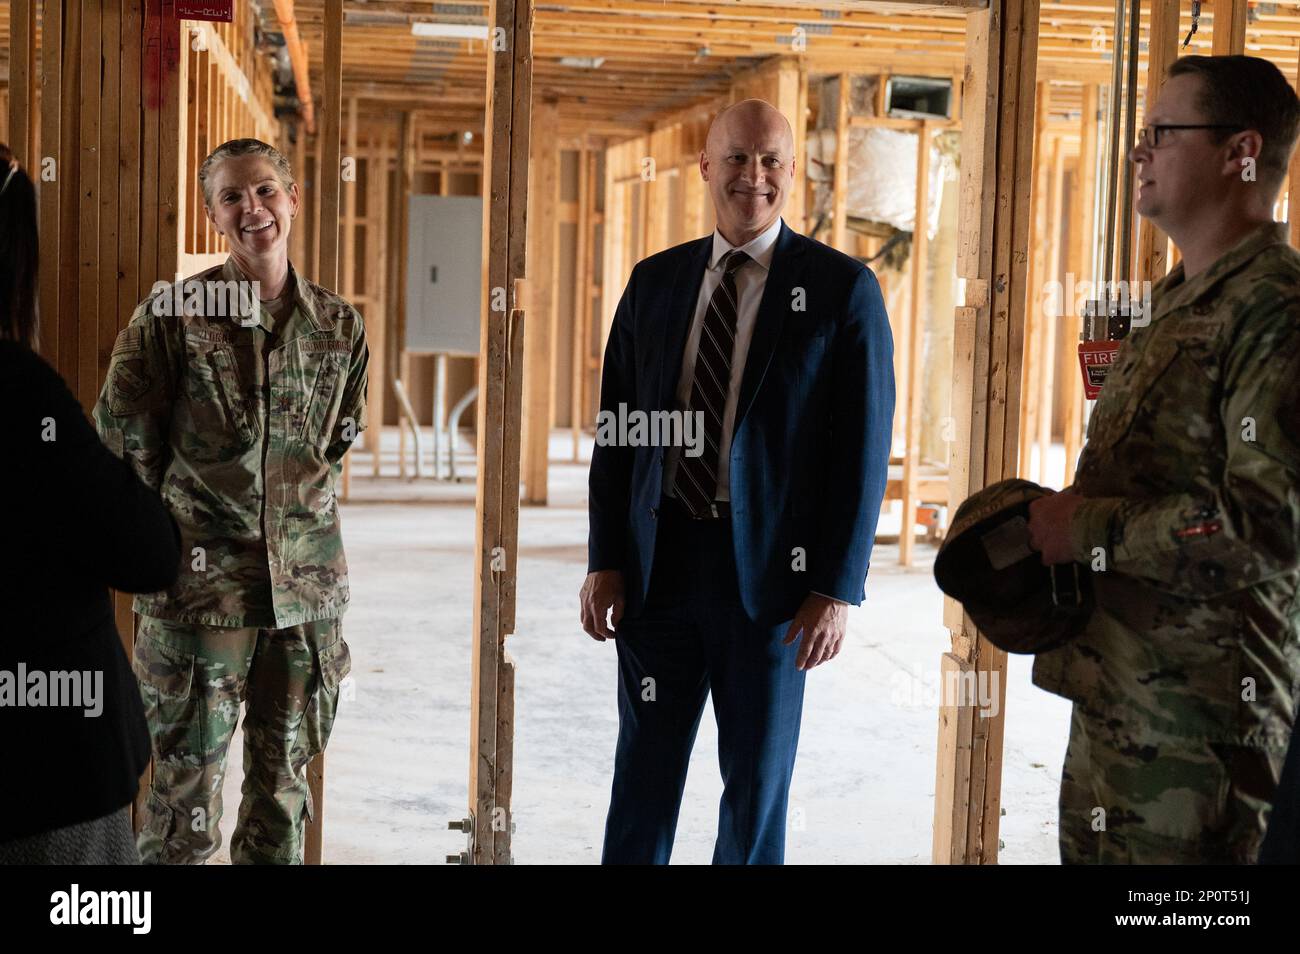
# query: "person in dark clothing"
{"type": "Point", "coordinates": [73, 741]}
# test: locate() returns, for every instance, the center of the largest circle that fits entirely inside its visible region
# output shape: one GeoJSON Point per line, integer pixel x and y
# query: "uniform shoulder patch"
{"type": "Point", "coordinates": [128, 339]}
{"type": "Point", "coordinates": [130, 380]}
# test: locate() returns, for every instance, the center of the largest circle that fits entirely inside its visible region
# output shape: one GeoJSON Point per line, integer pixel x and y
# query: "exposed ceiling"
{"type": "Point", "coordinates": [615, 65]}
{"type": "Point", "coordinates": [656, 56]}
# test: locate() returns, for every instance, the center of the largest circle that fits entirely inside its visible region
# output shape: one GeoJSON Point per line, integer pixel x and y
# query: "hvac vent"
{"type": "Point", "coordinates": [918, 97]}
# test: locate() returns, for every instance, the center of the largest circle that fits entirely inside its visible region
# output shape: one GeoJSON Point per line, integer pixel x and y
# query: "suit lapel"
{"type": "Point", "coordinates": [681, 309]}
{"type": "Point", "coordinates": [787, 264]}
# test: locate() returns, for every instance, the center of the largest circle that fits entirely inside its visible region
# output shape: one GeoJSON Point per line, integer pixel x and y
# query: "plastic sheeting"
{"type": "Point", "coordinates": [882, 175]}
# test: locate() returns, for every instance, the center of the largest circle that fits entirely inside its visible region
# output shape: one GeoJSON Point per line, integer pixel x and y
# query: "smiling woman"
{"type": "Point", "coordinates": [239, 415]}
{"type": "Point", "coordinates": [255, 230]}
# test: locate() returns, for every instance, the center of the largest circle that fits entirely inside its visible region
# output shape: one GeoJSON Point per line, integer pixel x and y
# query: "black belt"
{"type": "Point", "coordinates": [673, 507]}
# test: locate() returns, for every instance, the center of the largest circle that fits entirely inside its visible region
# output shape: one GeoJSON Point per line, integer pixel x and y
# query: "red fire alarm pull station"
{"type": "Point", "coordinates": [217, 11]}
{"type": "Point", "coordinates": [1106, 322]}
{"type": "Point", "coordinates": [1095, 359]}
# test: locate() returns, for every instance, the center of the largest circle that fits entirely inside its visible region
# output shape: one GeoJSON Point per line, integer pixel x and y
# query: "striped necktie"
{"type": "Point", "coordinates": [696, 483]}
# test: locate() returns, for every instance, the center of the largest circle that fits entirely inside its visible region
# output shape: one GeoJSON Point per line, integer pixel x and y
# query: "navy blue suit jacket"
{"type": "Point", "coordinates": [810, 446]}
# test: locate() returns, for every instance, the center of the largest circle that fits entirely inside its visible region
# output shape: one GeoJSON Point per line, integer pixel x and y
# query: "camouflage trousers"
{"type": "Point", "coordinates": [193, 679]}
{"type": "Point", "coordinates": [1182, 802]}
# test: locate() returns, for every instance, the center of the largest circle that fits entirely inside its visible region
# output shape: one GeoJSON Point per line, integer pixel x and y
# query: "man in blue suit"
{"type": "Point", "coordinates": [726, 563]}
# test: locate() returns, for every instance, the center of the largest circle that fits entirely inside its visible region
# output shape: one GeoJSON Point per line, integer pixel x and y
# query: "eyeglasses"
{"type": "Point", "coordinates": [1149, 136]}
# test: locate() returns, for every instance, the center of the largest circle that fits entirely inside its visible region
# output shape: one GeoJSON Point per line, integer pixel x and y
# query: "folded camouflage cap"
{"type": "Point", "coordinates": [986, 563]}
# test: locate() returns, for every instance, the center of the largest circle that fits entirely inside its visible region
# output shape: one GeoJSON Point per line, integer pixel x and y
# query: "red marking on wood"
{"type": "Point", "coordinates": [161, 52]}
{"type": "Point", "coordinates": [151, 55]}
{"type": "Point", "coordinates": [171, 31]}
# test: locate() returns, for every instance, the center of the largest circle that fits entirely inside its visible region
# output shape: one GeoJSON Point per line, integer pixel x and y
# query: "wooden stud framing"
{"type": "Point", "coordinates": [1162, 50]}
{"type": "Point", "coordinates": [22, 84]}
{"type": "Point", "coordinates": [69, 221]}
{"type": "Point", "coordinates": [1083, 265]}
{"type": "Point", "coordinates": [347, 280]}
{"type": "Point", "coordinates": [509, 94]}
{"type": "Point", "coordinates": [171, 167]}
{"type": "Point", "coordinates": [542, 264]}
{"type": "Point", "coordinates": [110, 117]}
{"type": "Point", "coordinates": [586, 269]}
{"type": "Point", "coordinates": [377, 313]}
{"type": "Point", "coordinates": [1228, 32]}
{"type": "Point", "coordinates": [399, 241]}
{"type": "Point", "coordinates": [914, 346]}
{"type": "Point", "coordinates": [1037, 266]}
{"type": "Point", "coordinates": [125, 288]}
{"type": "Point", "coordinates": [88, 210]}
{"type": "Point", "coordinates": [196, 223]}
{"type": "Point", "coordinates": [800, 120]}
{"type": "Point", "coordinates": [1044, 397]}
{"type": "Point", "coordinates": [615, 248]}
{"type": "Point", "coordinates": [298, 236]}
{"type": "Point", "coordinates": [581, 306]}
{"type": "Point", "coordinates": [314, 209]}
{"type": "Point", "coordinates": [347, 286]}
{"type": "Point", "coordinates": [328, 276]}
{"type": "Point", "coordinates": [997, 141]}
{"type": "Point", "coordinates": [50, 192]}
{"type": "Point", "coordinates": [839, 227]}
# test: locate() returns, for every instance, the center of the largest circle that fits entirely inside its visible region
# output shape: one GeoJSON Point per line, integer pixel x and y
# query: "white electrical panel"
{"type": "Point", "coordinates": [444, 276]}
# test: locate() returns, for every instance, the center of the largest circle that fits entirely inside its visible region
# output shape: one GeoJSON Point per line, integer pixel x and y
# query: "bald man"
{"type": "Point", "coordinates": [746, 410]}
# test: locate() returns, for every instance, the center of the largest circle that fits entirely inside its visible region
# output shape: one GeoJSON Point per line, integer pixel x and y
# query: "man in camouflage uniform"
{"type": "Point", "coordinates": [241, 429]}
{"type": "Point", "coordinates": [1186, 501]}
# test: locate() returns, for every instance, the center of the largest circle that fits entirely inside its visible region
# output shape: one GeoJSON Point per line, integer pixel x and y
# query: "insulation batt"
{"type": "Point", "coordinates": [882, 175]}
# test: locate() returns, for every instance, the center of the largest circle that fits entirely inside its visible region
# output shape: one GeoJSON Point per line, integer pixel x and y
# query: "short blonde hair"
{"type": "Point", "coordinates": [243, 147]}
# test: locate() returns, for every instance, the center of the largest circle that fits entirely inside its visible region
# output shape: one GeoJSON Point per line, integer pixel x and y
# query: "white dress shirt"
{"type": "Point", "coordinates": [751, 279]}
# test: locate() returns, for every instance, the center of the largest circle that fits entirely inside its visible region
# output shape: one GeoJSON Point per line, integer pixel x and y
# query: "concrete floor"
{"type": "Point", "coordinates": [397, 763]}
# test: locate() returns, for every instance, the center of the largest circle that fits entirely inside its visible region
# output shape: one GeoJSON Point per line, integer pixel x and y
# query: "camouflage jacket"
{"type": "Point", "coordinates": [241, 429]}
{"type": "Point", "coordinates": [1192, 474]}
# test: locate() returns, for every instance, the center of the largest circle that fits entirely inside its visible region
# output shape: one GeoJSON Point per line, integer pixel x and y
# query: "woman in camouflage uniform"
{"type": "Point", "coordinates": [235, 394]}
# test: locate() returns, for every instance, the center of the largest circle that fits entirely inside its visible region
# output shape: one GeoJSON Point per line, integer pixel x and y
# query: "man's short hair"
{"type": "Point", "coordinates": [1250, 92]}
